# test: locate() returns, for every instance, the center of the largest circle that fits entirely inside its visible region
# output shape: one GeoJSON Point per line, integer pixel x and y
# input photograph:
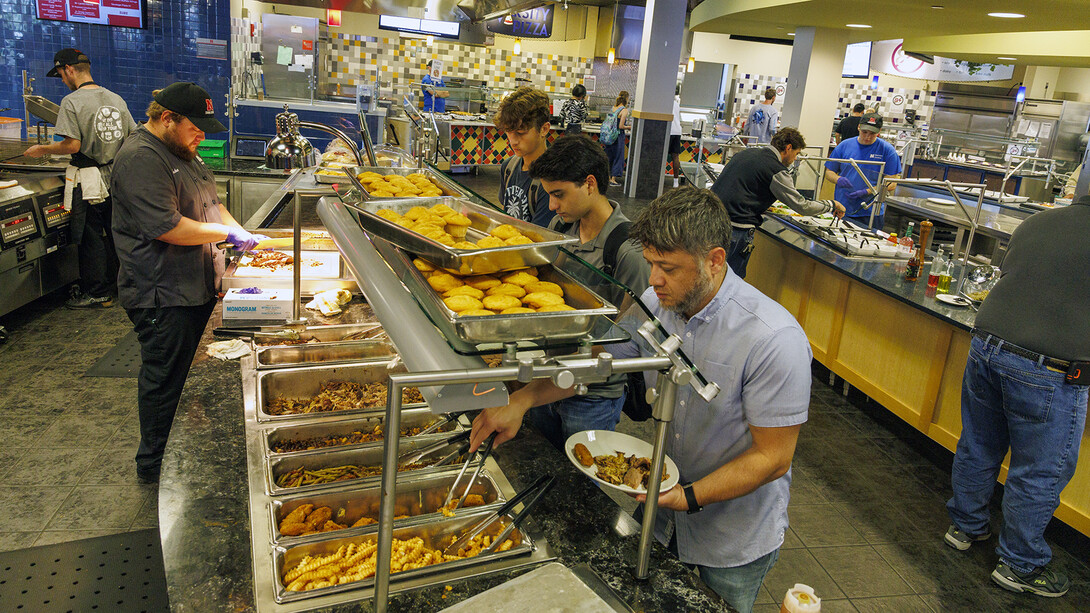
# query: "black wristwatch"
{"type": "Point", "coordinates": [690, 498]}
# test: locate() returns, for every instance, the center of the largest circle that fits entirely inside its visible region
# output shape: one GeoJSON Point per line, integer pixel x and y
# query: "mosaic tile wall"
{"type": "Point", "coordinates": [751, 89]}
{"type": "Point", "coordinates": [610, 80]}
{"type": "Point", "coordinates": [129, 61]}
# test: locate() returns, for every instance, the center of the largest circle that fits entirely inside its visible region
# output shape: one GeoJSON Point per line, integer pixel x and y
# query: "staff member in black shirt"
{"type": "Point", "coordinates": [166, 221]}
{"type": "Point", "coordinates": [849, 126]}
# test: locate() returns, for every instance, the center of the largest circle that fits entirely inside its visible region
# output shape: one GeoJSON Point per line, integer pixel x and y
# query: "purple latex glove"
{"type": "Point", "coordinates": [243, 240]}
{"type": "Point", "coordinates": [843, 182]}
{"type": "Point", "coordinates": [859, 194]}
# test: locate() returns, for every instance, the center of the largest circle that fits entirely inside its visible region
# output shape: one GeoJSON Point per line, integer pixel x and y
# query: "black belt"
{"type": "Point", "coordinates": [991, 339]}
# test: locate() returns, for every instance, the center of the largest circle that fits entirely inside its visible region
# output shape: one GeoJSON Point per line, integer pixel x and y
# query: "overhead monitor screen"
{"type": "Point", "coordinates": [857, 61]}
{"type": "Point", "coordinates": [122, 13]}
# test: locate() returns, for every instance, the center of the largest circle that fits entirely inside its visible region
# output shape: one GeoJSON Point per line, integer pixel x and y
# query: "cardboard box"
{"type": "Point", "coordinates": [269, 304]}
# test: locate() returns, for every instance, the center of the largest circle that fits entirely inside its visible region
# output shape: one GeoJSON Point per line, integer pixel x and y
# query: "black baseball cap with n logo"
{"type": "Point", "coordinates": [67, 57]}
{"type": "Point", "coordinates": [190, 100]}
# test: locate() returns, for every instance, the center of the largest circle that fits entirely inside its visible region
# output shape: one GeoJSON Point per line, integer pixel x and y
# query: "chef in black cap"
{"type": "Point", "coordinates": [92, 121]}
{"type": "Point", "coordinates": [167, 222]}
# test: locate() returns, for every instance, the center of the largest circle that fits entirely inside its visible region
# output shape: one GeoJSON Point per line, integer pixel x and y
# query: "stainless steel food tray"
{"type": "Point", "coordinates": [363, 456]}
{"type": "Point", "coordinates": [306, 381]}
{"type": "Point", "coordinates": [444, 186]}
{"type": "Point", "coordinates": [516, 327]}
{"type": "Point", "coordinates": [410, 418]}
{"type": "Point", "coordinates": [337, 177]}
{"type": "Point", "coordinates": [323, 334]}
{"type": "Point", "coordinates": [483, 220]}
{"type": "Point", "coordinates": [435, 535]}
{"type": "Point", "coordinates": [418, 498]}
{"type": "Point", "coordinates": [336, 352]}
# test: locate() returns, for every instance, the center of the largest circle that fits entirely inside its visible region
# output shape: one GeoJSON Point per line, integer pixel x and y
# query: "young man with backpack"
{"type": "Point", "coordinates": [763, 118]}
{"type": "Point", "coordinates": [574, 172]}
{"type": "Point", "coordinates": [523, 117]}
{"type": "Point", "coordinates": [611, 136]}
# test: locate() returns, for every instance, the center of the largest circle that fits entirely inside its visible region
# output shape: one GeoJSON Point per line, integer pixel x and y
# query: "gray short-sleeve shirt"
{"type": "Point", "coordinates": [153, 189]}
{"type": "Point", "coordinates": [99, 119]}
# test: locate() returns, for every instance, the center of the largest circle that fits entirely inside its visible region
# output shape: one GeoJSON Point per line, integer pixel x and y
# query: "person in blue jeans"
{"type": "Point", "coordinates": [1025, 390]}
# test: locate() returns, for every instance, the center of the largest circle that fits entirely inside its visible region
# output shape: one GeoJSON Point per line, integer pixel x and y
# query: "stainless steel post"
{"type": "Point", "coordinates": [387, 494]}
{"type": "Point", "coordinates": [663, 412]}
{"type": "Point", "coordinates": [365, 132]}
{"type": "Point", "coordinates": [297, 266]}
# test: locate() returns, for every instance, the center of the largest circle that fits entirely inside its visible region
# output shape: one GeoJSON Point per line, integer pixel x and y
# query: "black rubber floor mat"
{"type": "Point", "coordinates": [120, 573]}
{"type": "Point", "coordinates": [122, 360]}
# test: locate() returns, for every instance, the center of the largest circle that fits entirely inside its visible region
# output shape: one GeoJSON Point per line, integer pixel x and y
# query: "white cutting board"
{"type": "Point", "coordinates": [553, 588]}
{"type": "Point", "coordinates": [327, 266]}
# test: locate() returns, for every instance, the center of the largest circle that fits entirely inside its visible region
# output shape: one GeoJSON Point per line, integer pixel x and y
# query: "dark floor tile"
{"type": "Point", "coordinates": [934, 478]}
{"type": "Point", "coordinates": [40, 395]}
{"type": "Point", "coordinates": [29, 508]}
{"type": "Point", "coordinates": [9, 457]}
{"type": "Point", "coordinates": [766, 608]}
{"type": "Point", "coordinates": [50, 466]}
{"type": "Point", "coordinates": [89, 431]}
{"type": "Point", "coordinates": [879, 521]}
{"type": "Point", "coordinates": [895, 483]}
{"type": "Point", "coordinates": [112, 466]}
{"type": "Point", "coordinates": [127, 437]}
{"type": "Point", "coordinates": [100, 507]}
{"type": "Point", "coordinates": [1002, 600]}
{"type": "Point", "coordinates": [838, 606]}
{"type": "Point", "coordinates": [10, 541]}
{"type": "Point", "coordinates": [148, 517]}
{"type": "Point", "coordinates": [52, 537]}
{"type": "Point", "coordinates": [828, 426]}
{"type": "Point", "coordinates": [23, 430]}
{"type": "Point", "coordinates": [107, 399]}
{"type": "Point", "coordinates": [933, 567]}
{"type": "Point", "coordinates": [803, 491]}
{"type": "Point", "coordinates": [800, 566]}
{"type": "Point", "coordinates": [930, 518]}
{"type": "Point", "coordinates": [870, 427]}
{"type": "Point", "coordinates": [1075, 568]}
{"type": "Point", "coordinates": [791, 540]}
{"type": "Point", "coordinates": [838, 483]}
{"type": "Point", "coordinates": [820, 525]}
{"type": "Point", "coordinates": [891, 604]}
{"type": "Point", "coordinates": [763, 597]}
{"type": "Point", "coordinates": [861, 572]}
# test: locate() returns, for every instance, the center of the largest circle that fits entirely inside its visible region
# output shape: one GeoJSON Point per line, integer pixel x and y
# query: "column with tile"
{"type": "Point", "coordinates": [663, 34]}
{"type": "Point", "coordinates": [813, 82]}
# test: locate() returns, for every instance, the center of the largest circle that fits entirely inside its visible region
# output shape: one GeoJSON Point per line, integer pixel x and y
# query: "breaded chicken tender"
{"type": "Point", "coordinates": [506, 289]}
{"type": "Point", "coordinates": [542, 299]}
{"type": "Point", "coordinates": [544, 286]}
{"type": "Point", "coordinates": [464, 290]}
{"type": "Point", "coordinates": [444, 282]}
{"type": "Point", "coordinates": [476, 313]}
{"type": "Point", "coordinates": [555, 307]}
{"type": "Point", "coordinates": [462, 303]}
{"type": "Point", "coordinates": [490, 241]}
{"type": "Point", "coordinates": [482, 282]}
{"type": "Point", "coordinates": [499, 302]}
{"type": "Point", "coordinates": [520, 278]}
{"type": "Point", "coordinates": [505, 231]}
{"type": "Point", "coordinates": [516, 310]}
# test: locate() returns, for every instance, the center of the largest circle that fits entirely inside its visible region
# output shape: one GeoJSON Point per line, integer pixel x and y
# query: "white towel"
{"type": "Point", "coordinates": [228, 350]}
{"type": "Point", "coordinates": [92, 186]}
{"type": "Point", "coordinates": [329, 302]}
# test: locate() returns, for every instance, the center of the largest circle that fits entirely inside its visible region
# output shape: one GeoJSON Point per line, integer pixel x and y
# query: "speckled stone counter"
{"type": "Point", "coordinates": [204, 527]}
{"type": "Point", "coordinates": [242, 168]}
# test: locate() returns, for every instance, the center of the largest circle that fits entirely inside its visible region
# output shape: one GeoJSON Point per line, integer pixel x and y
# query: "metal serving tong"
{"type": "Point", "coordinates": [287, 334]}
{"type": "Point", "coordinates": [482, 454]}
{"type": "Point", "coordinates": [450, 417]}
{"type": "Point", "coordinates": [536, 489]}
{"type": "Point", "coordinates": [412, 457]}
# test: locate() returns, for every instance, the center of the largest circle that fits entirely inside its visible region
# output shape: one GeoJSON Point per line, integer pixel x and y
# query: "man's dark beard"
{"type": "Point", "coordinates": [696, 294]}
{"type": "Point", "coordinates": [177, 147]}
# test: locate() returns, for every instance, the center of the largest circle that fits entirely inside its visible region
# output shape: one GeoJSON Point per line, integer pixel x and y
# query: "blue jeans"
{"type": "Point", "coordinates": [615, 152]}
{"type": "Point", "coordinates": [741, 247]}
{"type": "Point", "coordinates": [739, 585]}
{"type": "Point", "coordinates": [559, 420]}
{"type": "Point", "coordinates": [1008, 401]}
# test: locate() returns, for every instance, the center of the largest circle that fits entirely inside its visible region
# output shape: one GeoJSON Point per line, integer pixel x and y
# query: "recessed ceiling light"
{"type": "Point", "coordinates": [857, 25]}
{"type": "Point", "coordinates": [790, 33]}
{"type": "Point", "coordinates": [937, 6]}
{"type": "Point", "coordinates": [1007, 15]}
{"type": "Point", "coordinates": [1000, 57]}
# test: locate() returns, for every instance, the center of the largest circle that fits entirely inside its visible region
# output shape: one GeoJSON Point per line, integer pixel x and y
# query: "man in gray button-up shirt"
{"type": "Point", "coordinates": [734, 453]}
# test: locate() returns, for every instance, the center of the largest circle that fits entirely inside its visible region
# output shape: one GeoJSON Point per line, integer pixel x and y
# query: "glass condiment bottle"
{"type": "Point", "coordinates": [905, 244]}
{"type": "Point", "coordinates": [915, 264]}
{"type": "Point", "coordinates": [938, 266]}
{"type": "Point", "coordinates": [945, 277]}
{"type": "Point", "coordinates": [892, 238]}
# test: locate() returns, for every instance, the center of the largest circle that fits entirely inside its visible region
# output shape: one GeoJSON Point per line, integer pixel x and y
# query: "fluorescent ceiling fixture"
{"type": "Point", "coordinates": [857, 25]}
{"type": "Point", "coordinates": [1007, 15]}
{"type": "Point", "coordinates": [448, 29]}
{"type": "Point", "coordinates": [790, 33]}
{"type": "Point", "coordinates": [1000, 57]}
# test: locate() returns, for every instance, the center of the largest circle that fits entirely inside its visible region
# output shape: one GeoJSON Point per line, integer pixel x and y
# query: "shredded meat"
{"type": "Point", "coordinates": [340, 396]}
{"type": "Point", "coordinates": [354, 438]}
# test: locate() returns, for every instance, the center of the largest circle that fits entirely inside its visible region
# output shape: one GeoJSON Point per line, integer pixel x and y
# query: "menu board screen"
{"type": "Point", "coordinates": [122, 13]}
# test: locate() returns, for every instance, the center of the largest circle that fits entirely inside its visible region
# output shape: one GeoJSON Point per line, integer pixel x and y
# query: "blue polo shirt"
{"type": "Point", "coordinates": [850, 149]}
{"type": "Point", "coordinates": [759, 356]}
{"type": "Point", "coordinates": [429, 100]}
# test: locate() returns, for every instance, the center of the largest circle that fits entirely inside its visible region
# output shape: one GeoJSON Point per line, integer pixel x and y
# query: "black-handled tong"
{"type": "Point", "coordinates": [438, 425]}
{"type": "Point", "coordinates": [414, 456]}
{"type": "Point", "coordinates": [536, 489]}
{"type": "Point", "coordinates": [482, 454]}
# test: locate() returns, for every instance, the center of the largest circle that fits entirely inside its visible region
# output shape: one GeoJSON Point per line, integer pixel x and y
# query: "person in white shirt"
{"type": "Point", "coordinates": [675, 137]}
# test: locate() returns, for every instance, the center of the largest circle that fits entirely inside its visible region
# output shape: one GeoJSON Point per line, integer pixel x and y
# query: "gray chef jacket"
{"type": "Point", "coordinates": [153, 189]}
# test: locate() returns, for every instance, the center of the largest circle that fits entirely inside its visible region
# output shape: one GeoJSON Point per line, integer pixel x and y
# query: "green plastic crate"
{"type": "Point", "coordinates": [212, 148]}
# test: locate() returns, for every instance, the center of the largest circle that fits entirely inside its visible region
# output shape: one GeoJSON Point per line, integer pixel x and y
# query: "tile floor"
{"type": "Point", "coordinates": [866, 511]}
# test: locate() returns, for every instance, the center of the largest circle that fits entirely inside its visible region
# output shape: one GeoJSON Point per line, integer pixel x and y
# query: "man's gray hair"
{"type": "Point", "coordinates": [684, 219]}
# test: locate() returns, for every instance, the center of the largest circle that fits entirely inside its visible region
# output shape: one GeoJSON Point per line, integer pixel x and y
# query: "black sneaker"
{"type": "Point", "coordinates": [962, 540]}
{"type": "Point", "coordinates": [147, 477]}
{"type": "Point", "coordinates": [1043, 581]}
{"type": "Point", "coordinates": [85, 301]}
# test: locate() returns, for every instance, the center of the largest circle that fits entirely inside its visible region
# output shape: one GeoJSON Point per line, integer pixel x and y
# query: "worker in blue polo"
{"type": "Point", "coordinates": [434, 99]}
{"type": "Point", "coordinates": [851, 189]}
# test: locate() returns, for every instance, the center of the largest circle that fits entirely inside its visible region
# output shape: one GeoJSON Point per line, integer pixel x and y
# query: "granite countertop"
{"type": "Point", "coordinates": [883, 275]}
{"type": "Point", "coordinates": [243, 168]}
{"type": "Point", "coordinates": [205, 532]}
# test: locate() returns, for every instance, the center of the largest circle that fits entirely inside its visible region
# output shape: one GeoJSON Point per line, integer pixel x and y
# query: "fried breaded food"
{"type": "Point", "coordinates": [542, 299]}
{"type": "Point", "coordinates": [520, 278]}
{"type": "Point", "coordinates": [476, 313]}
{"type": "Point", "coordinates": [516, 310]}
{"type": "Point", "coordinates": [445, 239]}
{"type": "Point", "coordinates": [555, 307]}
{"type": "Point", "coordinates": [458, 232]}
{"type": "Point", "coordinates": [319, 517]}
{"type": "Point", "coordinates": [367, 521]}
{"type": "Point", "coordinates": [442, 210]}
{"type": "Point", "coordinates": [298, 515]}
{"type": "Point", "coordinates": [499, 302]}
{"type": "Point", "coordinates": [423, 265]}
{"type": "Point", "coordinates": [444, 282]}
{"type": "Point", "coordinates": [518, 240]}
{"type": "Point", "coordinates": [482, 282]}
{"type": "Point", "coordinates": [490, 241]}
{"type": "Point", "coordinates": [506, 289]}
{"type": "Point", "coordinates": [583, 455]}
{"type": "Point", "coordinates": [464, 290]}
{"type": "Point", "coordinates": [462, 303]}
{"type": "Point", "coordinates": [544, 286]}
{"type": "Point", "coordinates": [388, 215]}
{"type": "Point", "coordinates": [463, 244]}
{"type": "Point", "coordinates": [505, 231]}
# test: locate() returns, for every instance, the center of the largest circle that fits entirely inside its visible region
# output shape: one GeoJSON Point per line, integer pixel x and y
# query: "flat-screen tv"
{"type": "Point", "coordinates": [122, 13]}
{"type": "Point", "coordinates": [444, 29]}
{"type": "Point", "coordinates": [857, 61]}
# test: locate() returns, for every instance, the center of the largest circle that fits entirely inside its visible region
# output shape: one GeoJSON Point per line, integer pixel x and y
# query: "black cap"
{"type": "Point", "coordinates": [871, 122]}
{"type": "Point", "coordinates": [67, 57]}
{"type": "Point", "coordinates": [191, 100]}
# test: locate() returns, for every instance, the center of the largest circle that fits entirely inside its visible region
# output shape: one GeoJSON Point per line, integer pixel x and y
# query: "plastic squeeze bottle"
{"type": "Point", "coordinates": [800, 599]}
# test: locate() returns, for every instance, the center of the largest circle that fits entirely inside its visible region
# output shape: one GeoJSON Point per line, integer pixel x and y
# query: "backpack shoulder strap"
{"type": "Point", "coordinates": [616, 238]}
